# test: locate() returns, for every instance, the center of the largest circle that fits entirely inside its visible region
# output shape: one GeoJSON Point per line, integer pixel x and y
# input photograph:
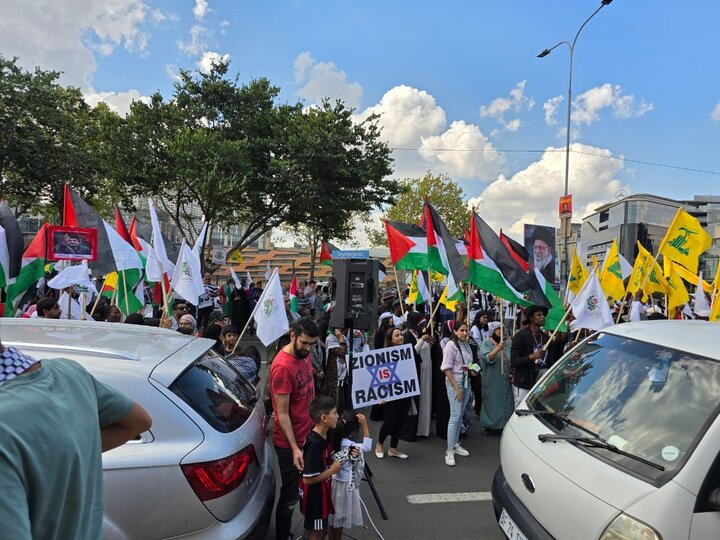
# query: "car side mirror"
{"type": "Point", "coordinates": [714, 499]}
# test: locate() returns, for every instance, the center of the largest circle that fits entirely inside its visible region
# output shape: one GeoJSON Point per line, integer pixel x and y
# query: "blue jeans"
{"type": "Point", "coordinates": [456, 411]}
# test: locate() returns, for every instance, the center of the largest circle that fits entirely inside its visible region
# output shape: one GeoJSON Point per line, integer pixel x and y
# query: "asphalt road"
{"type": "Point", "coordinates": [441, 512]}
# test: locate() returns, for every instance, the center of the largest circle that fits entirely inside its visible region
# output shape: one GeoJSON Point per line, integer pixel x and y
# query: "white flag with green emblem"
{"type": "Point", "coordinates": [590, 306]}
{"type": "Point", "coordinates": [270, 318]}
{"type": "Point", "coordinates": [187, 279]}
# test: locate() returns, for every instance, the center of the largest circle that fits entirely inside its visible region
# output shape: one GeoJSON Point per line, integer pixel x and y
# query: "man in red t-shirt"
{"type": "Point", "coordinates": [292, 389]}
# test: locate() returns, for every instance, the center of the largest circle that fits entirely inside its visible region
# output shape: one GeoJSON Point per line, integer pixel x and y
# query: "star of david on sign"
{"type": "Point", "coordinates": [376, 374]}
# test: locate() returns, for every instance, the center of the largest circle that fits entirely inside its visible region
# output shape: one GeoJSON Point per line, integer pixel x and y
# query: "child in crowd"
{"type": "Point", "coordinates": [316, 484]}
{"type": "Point", "coordinates": [229, 336]}
{"type": "Point", "coordinates": [346, 483]}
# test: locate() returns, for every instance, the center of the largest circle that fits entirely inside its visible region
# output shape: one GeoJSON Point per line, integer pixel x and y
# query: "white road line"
{"type": "Point", "coordinates": [470, 496]}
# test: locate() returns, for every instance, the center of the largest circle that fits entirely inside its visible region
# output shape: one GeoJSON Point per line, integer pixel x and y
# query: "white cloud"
{"type": "Point", "coordinates": [550, 107]}
{"type": "Point", "coordinates": [462, 152]}
{"type": "Point", "coordinates": [197, 44]}
{"type": "Point", "coordinates": [117, 101]}
{"type": "Point", "coordinates": [224, 25]}
{"type": "Point", "coordinates": [171, 70]}
{"type": "Point", "coordinates": [531, 195]}
{"type": "Point", "coordinates": [63, 35]}
{"type": "Point", "coordinates": [516, 102]}
{"type": "Point", "coordinates": [715, 114]}
{"type": "Point", "coordinates": [406, 115]}
{"type": "Point", "coordinates": [588, 105]}
{"type": "Point", "coordinates": [200, 9]}
{"type": "Point", "coordinates": [324, 79]}
{"type": "Point", "coordinates": [209, 58]}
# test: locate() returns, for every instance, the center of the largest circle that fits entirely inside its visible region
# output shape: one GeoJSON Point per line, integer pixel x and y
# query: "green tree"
{"type": "Point", "coordinates": [48, 136]}
{"type": "Point", "coordinates": [442, 192]}
{"type": "Point", "coordinates": [343, 170]}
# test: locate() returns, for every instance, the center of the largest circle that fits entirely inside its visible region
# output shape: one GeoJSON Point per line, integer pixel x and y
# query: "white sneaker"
{"type": "Point", "coordinates": [460, 451]}
{"type": "Point", "coordinates": [450, 458]}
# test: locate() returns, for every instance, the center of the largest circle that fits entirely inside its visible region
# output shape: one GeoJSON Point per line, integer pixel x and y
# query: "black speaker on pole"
{"type": "Point", "coordinates": [356, 282]}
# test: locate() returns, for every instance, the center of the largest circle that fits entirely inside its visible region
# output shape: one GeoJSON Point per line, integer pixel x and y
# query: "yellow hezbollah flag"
{"type": "Point", "coordinates": [578, 274]}
{"type": "Point", "coordinates": [413, 294]}
{"type": "Point", "coordinates": [715, 311]}
{"type": "Point", "coordinates": [450, 304]}
{"type": "Point", "coordinates": [677, 293]}
{"type": "Point", "coordinates": [716, 281]}
{"type": "Point", "coordinates": [611, 279]}
{"type": "Point", "coordinates": [685, 240]}
{"type": "Point", "coordinates": [684, 273]}
{"type": "Point", "coordinates": [650, 279]}
{"type": "Point", "coordinates": [596, 265]}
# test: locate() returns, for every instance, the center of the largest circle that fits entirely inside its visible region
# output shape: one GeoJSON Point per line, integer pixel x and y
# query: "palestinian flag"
{"type": "Point", "coordinates": [509, 267]}
{"type": "Point", "coordinates": [408, 245]}
{"type": "Point", "coordinates": [145, 250]}
{"type": "Point", "coordinates": [517, 251]}
{"type": "Point", "coordinates": [120, 226]}
{"type": "Point", "coordinates": [31, 270]}
{"type": "Point", "coordinates": [114, 253]}
{"type": "Point", "coordinates": [292, 294]}
{"type": "Point", "coordinates": [443, 255]}
{"type": "Point", "coordinates": [542, 294]}
{"type": "Point", "coordinates": [69, 217]}
{"type": "Point", "coordinates": [326, 253]}
{"type": "Point", "coordinates": [484, 273]}
{"type": "Point", "coordinates": [14, 241]}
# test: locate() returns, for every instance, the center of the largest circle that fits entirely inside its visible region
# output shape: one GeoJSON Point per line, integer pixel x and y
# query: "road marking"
{"type": "Point", "coordinates": [470, 496]}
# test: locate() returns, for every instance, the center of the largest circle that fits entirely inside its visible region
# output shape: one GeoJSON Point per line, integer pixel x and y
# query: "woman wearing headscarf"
{"type": "Point", "coordinates": [187, 325]}
{"type": "Point", "coordinates": [497, 403]}
{"type": "Point", "coordinates": [335, 368]}
{"type": "Point", "coordinates": [419, 336]}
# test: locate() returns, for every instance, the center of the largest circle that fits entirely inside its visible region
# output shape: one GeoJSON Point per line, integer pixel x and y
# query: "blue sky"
{"type": "Point", "coordinates": [451, 79]}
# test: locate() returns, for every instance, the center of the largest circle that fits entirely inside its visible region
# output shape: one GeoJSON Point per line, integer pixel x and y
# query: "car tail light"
{"type": "Point", "coordinates": [213, 479]}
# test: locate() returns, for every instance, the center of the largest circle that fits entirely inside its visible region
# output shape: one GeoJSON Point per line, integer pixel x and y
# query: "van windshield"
{"type": "Point", "coordinates": [645, 399]}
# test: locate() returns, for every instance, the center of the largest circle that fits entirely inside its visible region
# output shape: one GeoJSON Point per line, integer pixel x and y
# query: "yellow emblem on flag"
{"type": "Point", "coordinates": [450, 304]}
{"type": "Point", "coordinates": [684, 273]}
{"type": "Point", "coordinates": [611, 279]}
{"type": "Point", "coordinates": [685, 240]}
{"type": "Point", "coordinates": [413, 295]}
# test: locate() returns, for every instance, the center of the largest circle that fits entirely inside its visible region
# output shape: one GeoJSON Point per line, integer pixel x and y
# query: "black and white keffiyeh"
{"type": "Point", "coordinates": [13, 363]}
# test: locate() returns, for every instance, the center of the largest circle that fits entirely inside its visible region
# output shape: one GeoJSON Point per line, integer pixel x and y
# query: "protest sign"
{"type": "Point", "coordinates": [383, 375]}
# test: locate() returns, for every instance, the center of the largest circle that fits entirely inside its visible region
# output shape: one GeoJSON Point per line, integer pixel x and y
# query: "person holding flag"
{"type": "Point", "coordinates": [527, 353]}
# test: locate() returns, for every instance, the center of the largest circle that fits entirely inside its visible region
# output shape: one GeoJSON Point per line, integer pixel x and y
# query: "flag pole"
{"type": "Point", "coordinates": [622, 306]}
{"type": "Point", "coordinates": [82, 307]}
{"type": "Point", "coordinates": [98, 296]}
{"type": "Point", "coordinates": [400, 294]}
{"type": "Point", "coordinates": [257, 305]}
{"type": "Point", "coordinates": [69, 293]}
{"type": "Point", "coordinates": [127, 303]}
{"type": "Point", "coordinates": [430, 304]}
{"type": "Point", "coordinates": [567, 313]}
{"type": "Point", "coordinates": [515, 314]}
{"type": "Point", "coordinates": [469, 288]}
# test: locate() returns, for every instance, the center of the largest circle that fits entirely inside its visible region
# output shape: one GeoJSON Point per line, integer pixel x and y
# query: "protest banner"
{"type": "Point", "coordinates": [383, 375]}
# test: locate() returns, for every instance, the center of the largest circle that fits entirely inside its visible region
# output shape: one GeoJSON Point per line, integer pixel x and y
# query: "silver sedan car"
{"type": "Point", "coordinates": [204, 470]}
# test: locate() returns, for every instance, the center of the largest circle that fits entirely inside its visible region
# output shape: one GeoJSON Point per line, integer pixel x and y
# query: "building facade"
{"type": "Point", "coordinates": [646, 218]}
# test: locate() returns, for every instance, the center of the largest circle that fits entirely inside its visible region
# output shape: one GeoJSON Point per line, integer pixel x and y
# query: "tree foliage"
{"type": "Point", "coordinates": [49, 136]}
{"type": "Point", "coordinates": [442, 192]}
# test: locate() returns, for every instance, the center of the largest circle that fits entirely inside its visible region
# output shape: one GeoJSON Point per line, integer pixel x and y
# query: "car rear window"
{"type": "Point", "coordinates": [217, 392]}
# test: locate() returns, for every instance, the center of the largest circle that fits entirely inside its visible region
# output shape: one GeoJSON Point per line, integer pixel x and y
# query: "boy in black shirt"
{"type": "Point", "coordinates": [316, 484]}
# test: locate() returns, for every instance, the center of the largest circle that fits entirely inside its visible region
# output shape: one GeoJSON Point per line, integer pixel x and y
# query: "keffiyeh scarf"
{"type": "Point", "coordinates": [13, 363]}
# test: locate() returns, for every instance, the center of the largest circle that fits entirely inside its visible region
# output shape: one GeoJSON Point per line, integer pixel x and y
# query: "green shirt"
{"type": "Point", "coordinates": [50, 452]}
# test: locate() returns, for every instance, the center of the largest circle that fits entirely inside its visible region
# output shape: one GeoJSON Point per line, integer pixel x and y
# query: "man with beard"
{"type": "Point", "coordinates": [543, 243]}
{"type": "Point", "coordinates": [292, 389]}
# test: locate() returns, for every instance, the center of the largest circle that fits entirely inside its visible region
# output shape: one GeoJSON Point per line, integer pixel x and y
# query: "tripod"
{"type": "Point", "coordinates": [368, 478]}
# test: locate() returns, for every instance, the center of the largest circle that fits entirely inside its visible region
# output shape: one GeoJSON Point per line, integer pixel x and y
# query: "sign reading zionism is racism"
{"type": "Point", "coordinates": [383, 375]}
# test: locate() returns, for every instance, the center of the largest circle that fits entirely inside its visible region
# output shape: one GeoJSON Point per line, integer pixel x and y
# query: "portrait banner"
{"type": "Point", "coordinates": [72, 243]}
{"type": "Point", "coordinates": [383, 375]}
{"type": "Point", "coordinates": [540, 244]}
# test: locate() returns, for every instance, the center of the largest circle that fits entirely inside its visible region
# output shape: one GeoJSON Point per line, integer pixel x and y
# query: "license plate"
{"type": "Point", "coordinates": [509, 528]}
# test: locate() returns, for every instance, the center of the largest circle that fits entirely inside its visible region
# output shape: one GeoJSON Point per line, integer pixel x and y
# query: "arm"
{"type": "Point", "coordinates": [367, 441]}
{"type": "Point", "coordinates": [120, 432]}
{"type": "Point", "coordinates": [449, 357]}
{"type": "Point", "coordinates": [517, 356]}
{"type": "Point", "coordinates": [491, 355]}
{"type": "Point", "coordinates": [327, 473]}
{"type": "Point", "coordinates": [282, 407]}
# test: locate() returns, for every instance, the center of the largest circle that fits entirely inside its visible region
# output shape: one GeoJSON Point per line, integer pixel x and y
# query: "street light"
{"type": "Point", "coordinates": [543, 54]}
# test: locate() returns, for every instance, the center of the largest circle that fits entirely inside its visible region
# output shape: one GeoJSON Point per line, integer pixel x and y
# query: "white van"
{"type": "Point", "coordinates": [619, 440]}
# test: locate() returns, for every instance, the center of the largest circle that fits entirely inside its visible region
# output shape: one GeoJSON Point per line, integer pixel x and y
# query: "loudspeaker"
{"type": "Point", "coordinates": [355, 293]}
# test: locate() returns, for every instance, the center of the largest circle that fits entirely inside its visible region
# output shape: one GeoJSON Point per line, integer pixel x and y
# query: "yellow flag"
{"type": "Point", "coordinates": [450, 304]}
{"type": "Point", "coordinates": [596, 266]}
{"type": "Point", "coordinates": [684, 273]}
{"type": "Point", "coordinates": [685, 240]}
{"type": "Point", "coordinates": [716, 281]}
{"type": "Point", "coordinates": [677, 293]}
{"type": "Point", "coordinates": [655, 281]}
{"type": "Point", "coordinates": [715, 311]}
{"type": "Point", "coordinates": [578, 274]}
{"type": "Point", "coordinates": [611, 279]}
{"type": "Point", "coordinates": [413, 295]}
{"type": "Point", "coordinates": [639, 270]}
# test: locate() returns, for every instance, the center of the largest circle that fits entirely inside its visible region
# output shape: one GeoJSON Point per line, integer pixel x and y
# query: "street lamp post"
{"type": "Point", "coordinates": [564, 228]}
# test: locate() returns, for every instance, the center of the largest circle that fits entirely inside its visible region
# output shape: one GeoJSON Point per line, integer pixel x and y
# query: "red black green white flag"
{"type": "Point", "coordinates": [443, 256]}
{"type": "Point", "coordinates": [408, 245]}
